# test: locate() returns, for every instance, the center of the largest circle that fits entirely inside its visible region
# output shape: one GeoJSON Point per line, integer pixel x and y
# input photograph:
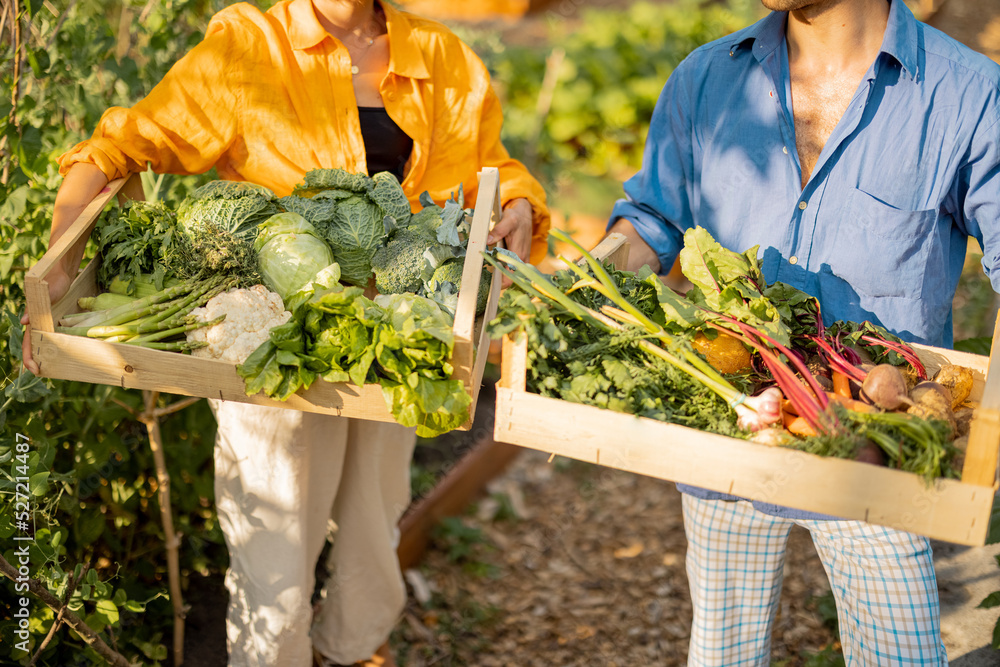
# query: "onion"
{"type": "Point", "coordinates": [760, 411]}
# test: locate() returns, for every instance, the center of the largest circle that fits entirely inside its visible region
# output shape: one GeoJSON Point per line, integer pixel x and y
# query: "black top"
{"type": "Point", "coordinates": [387, 148]}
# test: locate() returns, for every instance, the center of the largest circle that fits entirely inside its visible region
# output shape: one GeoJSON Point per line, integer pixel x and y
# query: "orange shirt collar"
{"type": "Point", "coordinates": [405, 57]}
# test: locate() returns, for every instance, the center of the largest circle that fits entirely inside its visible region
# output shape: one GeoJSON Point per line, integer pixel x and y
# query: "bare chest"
{"type": "Point", "coordinates": [817, 106]}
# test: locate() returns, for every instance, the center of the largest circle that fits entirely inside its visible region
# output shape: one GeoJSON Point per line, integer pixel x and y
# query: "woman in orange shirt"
{"type": "Point", "coordinates": [265, 97]}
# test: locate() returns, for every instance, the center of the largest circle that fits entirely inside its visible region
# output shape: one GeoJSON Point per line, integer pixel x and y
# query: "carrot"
{"type": "Point", "coordinates": [800, 426]}
{"type": "Point", "coordinates": [841, 384]}
{"type": "Point", "coordinates": [850, 403]}
{"type": "Point", "coordinates": [788, 406]}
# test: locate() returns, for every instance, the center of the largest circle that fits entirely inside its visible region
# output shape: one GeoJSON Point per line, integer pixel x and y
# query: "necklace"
{"type": "Point", "coordinates": [366, 37]}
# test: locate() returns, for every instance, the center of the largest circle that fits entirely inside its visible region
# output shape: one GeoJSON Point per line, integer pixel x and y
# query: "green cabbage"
{"type": "Point", "coordinates": [235, 207]}
{"type": "Point", "coordinates": [317, 180]}
{"type": "Point", "coordinates": [355, 233]}
{"type": "Point", "coordinates": [389, 195]}
{"type": "Point", "coordinates": [290, 253]}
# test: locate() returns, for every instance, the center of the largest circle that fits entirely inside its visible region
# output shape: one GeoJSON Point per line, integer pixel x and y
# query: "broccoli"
{"type": "Point", "coordinates": [451, 272]}
{"type": "Point", "coordinates": [399, 263]}
{"type": "Point", "coordinates": [414, 251]}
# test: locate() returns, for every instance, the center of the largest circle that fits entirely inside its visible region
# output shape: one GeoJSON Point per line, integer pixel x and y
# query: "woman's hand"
{"type": "Point", "coordinates": [83, 182]}
{"type": "Point", "coordinates": [515, 228]}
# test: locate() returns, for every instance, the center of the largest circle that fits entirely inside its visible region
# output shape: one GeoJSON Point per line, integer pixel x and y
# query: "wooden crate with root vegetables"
{"type": "Point", "coordinates": [85, 359]}
{"type": "Point", "coordinates": [949, 509]}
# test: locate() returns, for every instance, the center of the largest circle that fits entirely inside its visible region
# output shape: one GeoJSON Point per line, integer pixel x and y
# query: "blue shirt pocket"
{"type": "Point", "coordinates": [893, 246]}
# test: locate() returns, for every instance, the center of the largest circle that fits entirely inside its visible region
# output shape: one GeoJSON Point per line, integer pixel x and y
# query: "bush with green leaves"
{"type": "Point", "coordinates": [91, 471]}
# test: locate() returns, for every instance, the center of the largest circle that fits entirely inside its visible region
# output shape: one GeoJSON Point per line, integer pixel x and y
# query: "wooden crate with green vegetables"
{"type": "Point", "coordinates": [953, 510]}
{"type": "Point", "coordinates": [86, 359]}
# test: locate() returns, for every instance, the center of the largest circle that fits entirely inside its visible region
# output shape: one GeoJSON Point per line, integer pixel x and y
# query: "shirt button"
{"type": "Point", "coordinates": [784, 149]}
{"type": "Point", "coordinates": [391, 96]}
{"type": "Point", "coordinates": [802, 206]}
{"type": "Point", "coordinates": [793, 260]}
{"type": "Point", "coordinates": [731, 54]}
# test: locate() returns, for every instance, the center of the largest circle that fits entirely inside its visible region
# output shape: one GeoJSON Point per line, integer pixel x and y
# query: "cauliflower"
{"type": "Point", "coordinates": [250, 314]}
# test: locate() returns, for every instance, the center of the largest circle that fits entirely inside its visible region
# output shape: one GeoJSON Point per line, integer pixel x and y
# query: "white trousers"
{"type": "Point", "coordinates": [882, 579]}
{"type": "Point", "coordinates": [280, 477]}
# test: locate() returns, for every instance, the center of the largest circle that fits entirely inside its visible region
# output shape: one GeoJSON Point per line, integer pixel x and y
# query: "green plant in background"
{"type": "Point", "coordinates": [610, 71]}
{"type": "Point", "coordinates": [464, 544]}
{"type": "Point", "coordinates": [97, 542]}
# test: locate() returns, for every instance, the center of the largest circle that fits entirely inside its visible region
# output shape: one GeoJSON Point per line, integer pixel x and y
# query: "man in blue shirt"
{"type": "Point", "coordinates": [860, 149]}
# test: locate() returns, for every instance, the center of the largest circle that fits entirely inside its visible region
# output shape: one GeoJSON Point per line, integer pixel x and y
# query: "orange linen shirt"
{"type": "Point", "coordinates": [267, 97]}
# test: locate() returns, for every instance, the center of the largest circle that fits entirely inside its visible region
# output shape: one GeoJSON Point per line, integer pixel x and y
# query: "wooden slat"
{"type": "Point", "coordinates": [991, 394]}
{"type": "Point", "coordinates": [36, 288]}
{"type": "Point", "coordinates": [981, 453]}
{"type": "Point", "coordinates": [615, 248]}
{"type": "Point", "coordinates": [984, 435]}
{"type": "Point", "coordinates": [514, 362]}
{"type": "Point", "coordinates": [486, 213]}
{"type": "Point", "coordinates": [61, 356]}
{"type": "Point", "coordinates": [85, 284]}
{"type": "Point", "coordinates": [483, 336]}
{"type": "Point", "coordinates": [949, 510]}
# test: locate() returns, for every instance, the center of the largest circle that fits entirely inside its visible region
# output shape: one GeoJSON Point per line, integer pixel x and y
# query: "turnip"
{"type": "Point", "coordinates": [958, 379]}
{"type": "Point", "coordinates": [933, 401]}
{"type": "Point", "coordinates": [885, 386]}
{"type": "Point", "coordinates": [918, 393]}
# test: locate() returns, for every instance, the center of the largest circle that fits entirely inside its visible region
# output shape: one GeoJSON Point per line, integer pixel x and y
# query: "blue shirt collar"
{"type": "Point", "coordinates": [899, 42]}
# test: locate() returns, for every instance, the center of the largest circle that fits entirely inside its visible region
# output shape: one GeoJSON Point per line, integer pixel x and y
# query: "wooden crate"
{"type": "Point", "coordinates": [949, 510]}
{"type": "Point", "coordinates": [66, 357]}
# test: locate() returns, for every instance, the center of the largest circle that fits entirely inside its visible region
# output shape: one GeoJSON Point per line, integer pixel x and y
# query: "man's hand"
{"type": "Point", "coordinates": [515, 228]}
{"type": "Point", "coordinates": [59, 283]}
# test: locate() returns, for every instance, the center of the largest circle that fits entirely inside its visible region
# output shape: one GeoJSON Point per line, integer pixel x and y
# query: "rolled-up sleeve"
{"type": "Point", "coordinates": [185, 123]}
{"type": "Point", "coordinates": [657, 201]}
{"type": "Point", "coordinates": [979, 194]}
{"type": "Point", "coordinates": [515, 180]}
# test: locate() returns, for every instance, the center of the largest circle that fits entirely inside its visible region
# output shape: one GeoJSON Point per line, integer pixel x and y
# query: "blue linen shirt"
{"type": "Point", "coordinates": [880, 230]}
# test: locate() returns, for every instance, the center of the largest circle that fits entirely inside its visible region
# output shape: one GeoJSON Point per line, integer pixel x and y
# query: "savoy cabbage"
{"type": "Point", "coordinates": [234, 207]}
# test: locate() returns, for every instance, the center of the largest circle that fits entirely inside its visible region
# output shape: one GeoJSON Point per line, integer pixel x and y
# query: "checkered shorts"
{"type": "Point", "coordinates": [883, 581]}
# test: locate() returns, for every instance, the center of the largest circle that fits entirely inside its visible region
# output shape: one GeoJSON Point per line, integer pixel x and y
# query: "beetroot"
{"type": "Point", "coordinates": [869, 452]}
{"type": "Point", "coordinates": [885, 386]}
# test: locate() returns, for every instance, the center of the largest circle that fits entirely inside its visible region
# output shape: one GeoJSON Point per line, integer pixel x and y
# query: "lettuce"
{"type": "Point", "coordinates": [401, 341]}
